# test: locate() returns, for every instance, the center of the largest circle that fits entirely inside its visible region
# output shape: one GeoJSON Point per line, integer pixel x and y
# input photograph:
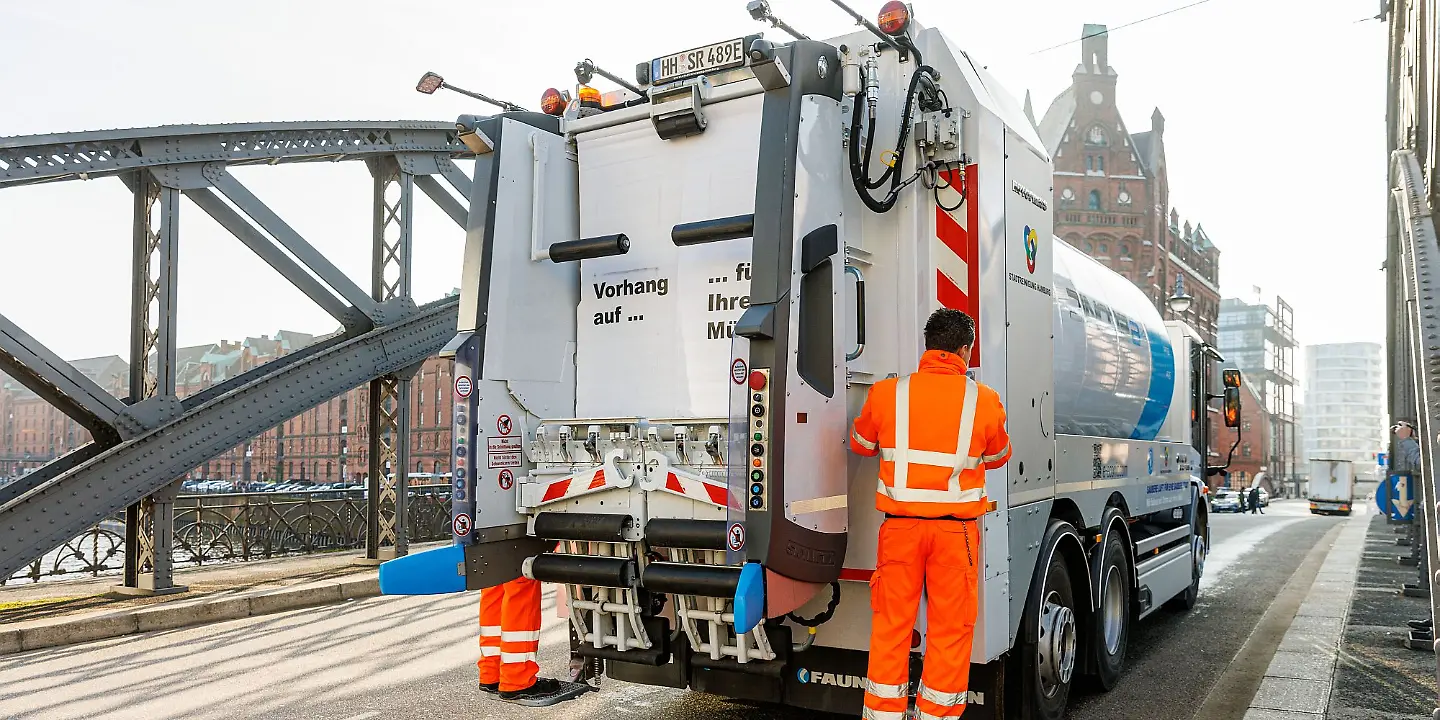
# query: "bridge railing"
{"type": "Point", "coordinates": [219, 528]}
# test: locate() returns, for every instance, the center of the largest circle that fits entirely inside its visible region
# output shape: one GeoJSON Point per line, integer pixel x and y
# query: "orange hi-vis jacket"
{"type": "Point", "coordinates": [936, 432]}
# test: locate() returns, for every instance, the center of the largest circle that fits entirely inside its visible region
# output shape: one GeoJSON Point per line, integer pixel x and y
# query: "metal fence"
{"type": "Point", "coordinates": [231, 527]}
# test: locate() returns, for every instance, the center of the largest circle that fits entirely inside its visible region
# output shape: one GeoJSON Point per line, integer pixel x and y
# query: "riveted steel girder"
{"type": "Point", "coordinates": [50, 514]}
{"type": "Point", "coordinates": [85, 155]}
{"type": "Point", "coordinates": [58, 383]}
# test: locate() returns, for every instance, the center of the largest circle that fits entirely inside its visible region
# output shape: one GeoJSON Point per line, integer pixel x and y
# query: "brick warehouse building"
{"type": "Point", "coordinates": [327, 443]}
{"type": "Point", "coordinates": [1112, 192]}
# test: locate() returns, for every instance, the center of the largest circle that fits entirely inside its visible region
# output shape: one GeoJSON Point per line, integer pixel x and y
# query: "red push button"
{"type": "Point", "coordinates": [757, 380]}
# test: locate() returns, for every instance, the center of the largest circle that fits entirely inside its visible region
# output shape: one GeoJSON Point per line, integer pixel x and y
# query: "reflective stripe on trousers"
{"type": "Point", "coordinates": [510, 634]}
{"type": "Point", "coordinates": [940, 557]}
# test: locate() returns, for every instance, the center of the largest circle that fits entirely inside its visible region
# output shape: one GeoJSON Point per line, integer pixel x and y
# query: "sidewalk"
{"type": "Point", "coordinates": [1377, 676]}
{"type": "Point", "coordinates": [47, 614]}
{"type": "Point", "coordinates": [1344, 655]}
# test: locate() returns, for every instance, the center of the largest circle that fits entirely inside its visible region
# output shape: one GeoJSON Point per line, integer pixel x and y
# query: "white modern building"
{"type": "Point", "coordinates": [1345, 404]}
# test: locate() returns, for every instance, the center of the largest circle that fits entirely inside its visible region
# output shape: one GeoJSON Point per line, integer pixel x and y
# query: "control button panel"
{"type": "Point", "coordinates": [758, 497]}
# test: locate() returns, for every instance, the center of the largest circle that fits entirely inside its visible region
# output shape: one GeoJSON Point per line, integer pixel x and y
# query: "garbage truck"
{"type": "Point", "coordinates": [675, 298]}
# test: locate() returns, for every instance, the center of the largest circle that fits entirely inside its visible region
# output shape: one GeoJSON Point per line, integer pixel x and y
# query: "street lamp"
{"type": "Point", "coordinates": [1179, 301]}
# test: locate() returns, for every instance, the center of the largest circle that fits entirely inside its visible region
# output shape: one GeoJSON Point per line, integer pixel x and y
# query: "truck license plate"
{"type": "Point", "coordinates": [699, 61]}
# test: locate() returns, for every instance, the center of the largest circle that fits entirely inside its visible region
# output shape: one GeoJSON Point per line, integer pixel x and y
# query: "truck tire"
{"type": "Point", "coordinates": [1113, 614]}
{"type": "Point", "coordinates": [1047, 666]}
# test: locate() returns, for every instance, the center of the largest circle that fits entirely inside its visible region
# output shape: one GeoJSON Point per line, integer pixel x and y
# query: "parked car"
{"type": "Point", "coordinates": [1264, 498]}
{"type": "Point", "coordinates": [1225, 501]}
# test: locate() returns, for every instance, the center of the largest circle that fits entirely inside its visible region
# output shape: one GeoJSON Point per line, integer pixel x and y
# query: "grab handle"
{"type": "Point", "coordinates": [860, 312]}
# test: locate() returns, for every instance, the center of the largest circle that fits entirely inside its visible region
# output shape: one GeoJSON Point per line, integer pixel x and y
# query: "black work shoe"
{"type": "Point", "coordinates": [491, 688]}
{"type": "Point", "coordinates": [543, 687]}
{"type": "Point", "coordinates": [1420, 624]}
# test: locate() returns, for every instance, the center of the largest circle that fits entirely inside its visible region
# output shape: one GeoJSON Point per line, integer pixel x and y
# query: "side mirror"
{"type": "Point", "coordinates": [1232, 406]}
{"type": "Point", "coordinates": [1230, 378]}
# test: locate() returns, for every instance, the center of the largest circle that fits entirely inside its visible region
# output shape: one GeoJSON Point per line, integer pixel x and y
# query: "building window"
{"type": "Point", "coordinates": [329, 470]}
{"type": "Point", "coordinates": [1100, 164]}
{"type": "Point", "coordinates": [1125, 250]}
{"type": "Point", "coordinates": [1104, 249]}
{"type": "Point", "coordinates": [1089, 163]}
{"type": "Point", "coordinates": [1094, 200]}
{"type": "Point", "coordinates": [1097, 136]}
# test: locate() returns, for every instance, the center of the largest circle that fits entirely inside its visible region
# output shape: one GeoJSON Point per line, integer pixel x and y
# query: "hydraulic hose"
{"type": "Point", "coordinates": [859, 166]}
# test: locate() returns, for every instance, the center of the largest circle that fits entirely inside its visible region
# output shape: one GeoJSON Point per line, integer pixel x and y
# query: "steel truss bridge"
{"type": "Point", "coordinates": [144, 443]}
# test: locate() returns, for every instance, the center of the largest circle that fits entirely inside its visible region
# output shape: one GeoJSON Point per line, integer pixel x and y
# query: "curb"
{"type": "Point", "coordinates": [103, 626]}
{"type": "Point", "coordinates": [1300, 680]}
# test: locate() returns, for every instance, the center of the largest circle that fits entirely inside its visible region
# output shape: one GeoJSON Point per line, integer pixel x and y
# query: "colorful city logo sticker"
{"type": "Point", "coordinates": [461, 525]}
{"type": "Point", "coordinates": [1032, 248]}
{"type": "Point", "coordinates": [463, 386]}
{"type": "Point", "coordinates": [507, 479]}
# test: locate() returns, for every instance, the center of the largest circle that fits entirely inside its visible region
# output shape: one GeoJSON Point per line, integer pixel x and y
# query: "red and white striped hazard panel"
{"type": "Point", "coordinates": [695, 487]}
{"type": "Point", "coordinates": [581, 483]}
{"type": "Point", "coordinates": [956, 250]}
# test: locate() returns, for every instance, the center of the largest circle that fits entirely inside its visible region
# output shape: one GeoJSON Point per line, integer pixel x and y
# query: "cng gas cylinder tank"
{"type": "Point", "coordinates": [1114, 362]}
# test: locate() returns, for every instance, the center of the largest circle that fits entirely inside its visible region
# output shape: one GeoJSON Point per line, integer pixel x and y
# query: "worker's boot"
{"type": "Point", "coordinates": [490, 688]}
{"type": "Point", "coordinates": [545, 692]}
{"type": "Point", "coordinates": [1421, 624]}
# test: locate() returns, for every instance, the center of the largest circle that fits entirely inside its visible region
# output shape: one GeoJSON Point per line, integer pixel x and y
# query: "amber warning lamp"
{"type": "Point", "coordinates": [589, 97]}
{"type": "Point", "coordinates": [894, 18]}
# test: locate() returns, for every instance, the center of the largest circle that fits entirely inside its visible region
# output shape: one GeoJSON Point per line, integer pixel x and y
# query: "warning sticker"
{"type": "Point", "coordinates": [504, 425]}
{"type": "Point", "coordinates": [736, 537]}
{"type": "Point", "coordinates": [463, 386]}
{"type": "Point", "coordinates": [738, 371]}
{"type": "Point", "coordinates": [503, 460]}
{"type": "Point", "coordinates": [509, 444]}
{"type": "Point", "coordinates": [507, 479]}
{"type": "Point", "coordinates": [461, 525]}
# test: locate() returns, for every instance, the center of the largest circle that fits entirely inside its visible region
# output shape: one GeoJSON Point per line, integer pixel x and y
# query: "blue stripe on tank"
{"type": "Point", "coordinates": [1162, 388]}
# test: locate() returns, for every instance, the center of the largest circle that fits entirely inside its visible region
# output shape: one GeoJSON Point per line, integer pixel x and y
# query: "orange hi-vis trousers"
{"type": "Point", "coordinates": [942, 558]}
{"type": "Point", "coordinates": [510, 634]}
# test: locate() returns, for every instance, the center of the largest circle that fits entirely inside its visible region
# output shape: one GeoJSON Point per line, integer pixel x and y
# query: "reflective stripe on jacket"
{"type": "Point", "coordinates": [936, 432]}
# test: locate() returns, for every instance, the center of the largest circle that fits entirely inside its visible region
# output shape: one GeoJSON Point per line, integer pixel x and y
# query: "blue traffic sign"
{"type": "Point", "coordinates": [1380, 459]}
{"type": "Point", "coordinates": [1396, 497]}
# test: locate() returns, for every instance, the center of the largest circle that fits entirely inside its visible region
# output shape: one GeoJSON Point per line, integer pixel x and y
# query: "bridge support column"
{"type": "Point", "coordinates": [150, 523]}
{"type": "Point", "coordinates": [389, 407]}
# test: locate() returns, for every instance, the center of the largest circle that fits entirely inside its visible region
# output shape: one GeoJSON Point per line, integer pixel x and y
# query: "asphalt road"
{"type": "Point", "coordinates": [414, 657]}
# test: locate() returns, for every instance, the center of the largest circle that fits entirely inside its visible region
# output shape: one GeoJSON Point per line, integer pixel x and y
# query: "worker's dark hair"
{"type": "Point", "coordinates": [949, 330]}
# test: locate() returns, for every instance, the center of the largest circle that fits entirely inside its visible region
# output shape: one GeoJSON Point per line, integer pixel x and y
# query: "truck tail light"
{"type": "Point", "coordinates": [894, 17]}
{"type": "Point", "coordinates": [552, 102]}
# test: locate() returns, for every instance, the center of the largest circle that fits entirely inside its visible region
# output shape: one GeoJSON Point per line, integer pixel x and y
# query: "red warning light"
{"type": "Point", "coordinates": [757, 380]}
{"type": "Point", "coordinates": [552, 102]}
{"type": "Point", "coordinates": [894, 17]}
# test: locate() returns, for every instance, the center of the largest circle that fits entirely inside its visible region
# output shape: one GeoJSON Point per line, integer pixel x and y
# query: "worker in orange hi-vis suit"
{"type": "Point", "coordinates": [510, 642]}
{"type": "Point", "coordinates": [936, 432]}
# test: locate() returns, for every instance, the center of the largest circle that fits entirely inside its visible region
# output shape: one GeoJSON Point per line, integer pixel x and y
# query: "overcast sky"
{"type": "Point", "coordinates": [1275, 129]}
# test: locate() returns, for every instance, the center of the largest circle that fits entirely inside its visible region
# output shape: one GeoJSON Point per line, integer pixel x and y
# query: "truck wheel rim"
{"type": "Point", "coordinates": [1199, 556]}
{"type": "Point", "coordinates": [1114, 609]}
{"type": "Point", "coordinates": [1057, 645]}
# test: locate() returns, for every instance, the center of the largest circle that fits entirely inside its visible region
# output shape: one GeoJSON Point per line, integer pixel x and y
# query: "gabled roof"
{"type": "Point", "coordinates": [1057, 120]}
{"type": "Point", "coordinates": [1143, 147]}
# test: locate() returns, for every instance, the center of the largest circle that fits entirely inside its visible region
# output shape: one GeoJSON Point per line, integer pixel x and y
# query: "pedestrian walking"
{"type": "Point", "coordinates": [936, 432]}
{"type": "Point", "coordinates": [1255, 501]}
